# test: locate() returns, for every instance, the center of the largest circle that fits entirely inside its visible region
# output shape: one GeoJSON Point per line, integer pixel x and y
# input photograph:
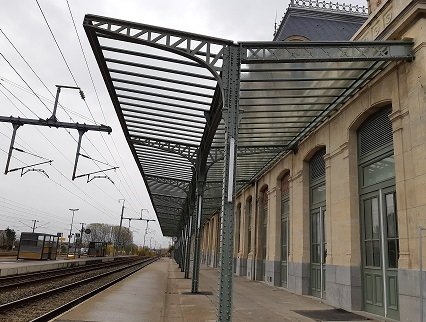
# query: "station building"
{"type": "Point", "coordinates": [300, 162]}
{"type": "Point", "coordinates": [339, 216]}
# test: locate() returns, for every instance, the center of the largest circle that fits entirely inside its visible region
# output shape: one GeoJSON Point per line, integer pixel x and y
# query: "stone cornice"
{"type": "Point", "coordinates": [389, 22]}
{"type": "Point", "coordinates": [396, 118]}
{"type": "Point", "coordinates": [342, 148]}
{"type": "Point", "coordinates": [295, 176]}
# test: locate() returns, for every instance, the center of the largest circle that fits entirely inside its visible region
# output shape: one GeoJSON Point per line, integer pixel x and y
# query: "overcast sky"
{"type": "Point", "coordinates": [48, 199]}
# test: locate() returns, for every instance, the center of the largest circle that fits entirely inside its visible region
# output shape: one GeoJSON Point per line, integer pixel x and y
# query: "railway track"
{"type": "Point", "coordinates": [47, 305]}
{"type": "Point", "coordinates": [12, 281]}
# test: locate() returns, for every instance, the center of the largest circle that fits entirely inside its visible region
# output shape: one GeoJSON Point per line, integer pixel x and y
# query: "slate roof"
{"type": "Point", "coordinates": [316, 23]}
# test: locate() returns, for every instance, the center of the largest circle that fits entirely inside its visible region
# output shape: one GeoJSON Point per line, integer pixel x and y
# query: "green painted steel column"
{"type": "Point", "coordinates": [188, 247]}
{"type": "Point", "coordinates": [197, 248]}
{"type": "Point", "coordinates": [231, 85]}
{"type": "Point", "coordinates": [182, 250]}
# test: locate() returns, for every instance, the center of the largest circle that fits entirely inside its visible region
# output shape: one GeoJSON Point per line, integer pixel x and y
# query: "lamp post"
{"type": "Point", "coordinates": [81, 239]}
{"type": "Point", "coordinates": [69, 236]}
{"type": "Point", "coordinates": [121, 223]}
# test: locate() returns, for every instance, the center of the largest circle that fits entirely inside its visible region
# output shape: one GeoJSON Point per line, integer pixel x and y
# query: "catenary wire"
{"type": "Point", "coordinates": [57, 44]}
{"type": "Point", "coordinates": [47, 138]}
{"type": "Point", "coordinates": [64, 158]}
{"type": "Point", "coordinates": [64, 108]}
{"type": "Point", "coordinates": [16, 71]}
{"type": "Point", "coordinates": [97, 96]}
{"type": "Point", "coordinates": [75, 81]}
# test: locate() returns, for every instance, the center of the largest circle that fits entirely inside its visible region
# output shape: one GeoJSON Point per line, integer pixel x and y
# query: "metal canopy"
{"type": "Point", "coordinates": [168, 89]}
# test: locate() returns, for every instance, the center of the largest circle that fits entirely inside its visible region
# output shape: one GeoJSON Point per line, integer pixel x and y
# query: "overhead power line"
{"type": "Point", "coordinates": [73, 183]}
{"type": "Point", "coordinates": [45, 105]}
{"type": "Point", "coordinates": [14, 69]}
{"type": "Point", "coordinates": [50, 101]}
{"type": "Point", "coordinates": [91, 77]}
{"type": "Point", "coordinates": [85, 60]}
{"type": "Point", "coordinates": [57, 44]}
{"type": "Point", "coordinates": [26, 62]}
{"type": "Point", "coordinates": [100, 106]}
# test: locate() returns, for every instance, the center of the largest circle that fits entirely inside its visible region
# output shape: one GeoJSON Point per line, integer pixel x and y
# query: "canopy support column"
{"type": "Point", "coordinates": [182, 251]}
{"type": "Point", "coordinates": [197, 248]}
{"type": "Point", "coordinates": [188, 246]}
{"type": "Point", "coordinates": [175, 252]}
{"type": "Point", "coordinates": [231, 84]}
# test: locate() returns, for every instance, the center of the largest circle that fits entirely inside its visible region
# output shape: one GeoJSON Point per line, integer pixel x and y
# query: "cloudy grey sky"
{"type": "Point", "coordinates": [47, 199]}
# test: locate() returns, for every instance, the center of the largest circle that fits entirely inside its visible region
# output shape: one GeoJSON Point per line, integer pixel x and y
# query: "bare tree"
{"type": "Point", "coordinates": [107, 233]}
{"type": "Point", "coordinates": [98, 232]}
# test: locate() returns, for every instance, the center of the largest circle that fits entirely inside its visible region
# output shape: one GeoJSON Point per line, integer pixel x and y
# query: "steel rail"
{"type": "Point", "coordinates": [162, 134]}
{"type": "Point", "coordinates": [62, 309]}
{"type": "Point", "coordinates": [10, 281]}
{"type": "Point", "coordinates": [165, 103]}
{"type": "Point", "coordinates": [151, 124]}
{"type": "Point", "coordinates": [159, 69]}
{"type": "Point", "coordinates": [164, 129]}
{"type": "Point", "coordinates": [159, 109]}
{"type": "Point", "coordinates": [39, 296]}
{"type": "Point", "coordinates": [166, 121]}
{"type": "Point", "coordinates": [164, 88]}
{"type": "Point", "coordinates": [161, 79]}
{"type": "Point", "coordinates": [150, 56]}
{"type": "Point", "coordinates": [170, 97]}
{"type": "Point", "coordinates": [147, 151]}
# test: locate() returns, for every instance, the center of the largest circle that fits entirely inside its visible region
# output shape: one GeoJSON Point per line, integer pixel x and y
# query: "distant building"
{"type": "Point", "coordinates": [319, 21]}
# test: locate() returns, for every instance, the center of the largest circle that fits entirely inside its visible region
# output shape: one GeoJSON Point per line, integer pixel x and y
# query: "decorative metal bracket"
{"type": "Point", "coordinates": [187, 151]}
{"type": "Point", "coordinates": [208, 51]}
{"type": "Point", "coordinates": [181, 184]}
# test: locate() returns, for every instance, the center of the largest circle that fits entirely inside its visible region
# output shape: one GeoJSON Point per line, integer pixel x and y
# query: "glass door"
{"type": "Point", "coordinates": [380, 252]}
{"type": "Point", "coordinates": [285, 212]}
{"type": "Point", "coordinates": [318, 252]}
{"type": "Point", "coordinates": [264, 242]}
{"type": "Point", "coordinates": [284, 240]}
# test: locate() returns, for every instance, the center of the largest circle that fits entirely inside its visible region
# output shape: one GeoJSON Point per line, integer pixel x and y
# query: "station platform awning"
{"type": "Point", "coordinates": [169, 89]}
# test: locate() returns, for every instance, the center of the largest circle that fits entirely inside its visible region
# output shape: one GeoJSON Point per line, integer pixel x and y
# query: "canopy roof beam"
{"type": "Point", "coordinates": [349, 51]}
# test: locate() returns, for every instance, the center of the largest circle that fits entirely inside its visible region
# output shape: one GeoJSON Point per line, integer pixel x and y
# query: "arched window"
{"type": "Point", "coordinates": [263, 222]}
{"type": "Point", "coordinates": [379, 223]}
{"type": "Point", "coordinates": [249, 214]}
{"type": "Point", "coordinates": [237, 228]}
{"type": "Point", "coordinates": [285, 211]}
{"type": "Point", "coordinates": [317, 215]}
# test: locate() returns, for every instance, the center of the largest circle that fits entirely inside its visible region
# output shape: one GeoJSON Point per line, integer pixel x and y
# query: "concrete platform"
{"type": "Point", "coordinates": [160, 292]}
{"type": "Point", "coordinates": [11, 266]}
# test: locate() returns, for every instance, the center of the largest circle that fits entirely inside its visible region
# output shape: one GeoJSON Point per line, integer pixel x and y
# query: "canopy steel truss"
{"type": "Point", "coordinates": [197, 111]}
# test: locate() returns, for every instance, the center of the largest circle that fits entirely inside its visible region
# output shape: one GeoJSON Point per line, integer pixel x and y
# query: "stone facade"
{"type": "Point", "coordinates": [401, 86]}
